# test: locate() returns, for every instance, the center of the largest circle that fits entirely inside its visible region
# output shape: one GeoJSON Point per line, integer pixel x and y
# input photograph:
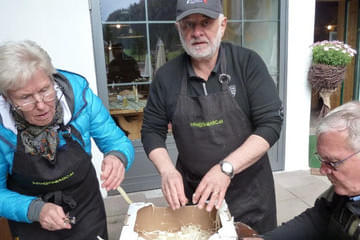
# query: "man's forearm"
{"type": "Point", "coordinates": [161, 159]}
{"type": "Point", "coordinates": [248, 153]}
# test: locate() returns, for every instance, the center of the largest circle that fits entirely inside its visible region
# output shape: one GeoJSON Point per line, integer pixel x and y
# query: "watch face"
{"type": "Point", "coordinates": [226, 167]}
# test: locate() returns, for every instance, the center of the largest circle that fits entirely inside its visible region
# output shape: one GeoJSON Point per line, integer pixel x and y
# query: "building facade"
{"type": "Point", "coordinates": [82, 36]}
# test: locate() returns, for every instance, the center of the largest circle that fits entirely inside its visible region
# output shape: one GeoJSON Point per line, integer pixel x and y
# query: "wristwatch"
{"type": "Point", "coordinates": [227, 168]}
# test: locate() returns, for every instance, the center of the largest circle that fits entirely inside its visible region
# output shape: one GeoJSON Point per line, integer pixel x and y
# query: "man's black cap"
{"type": "Point", "coordinates": [210, 8]}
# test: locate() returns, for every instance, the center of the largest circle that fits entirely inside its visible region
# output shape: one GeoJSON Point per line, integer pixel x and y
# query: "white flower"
{"type": "Point", "coordinates": [333, 53]}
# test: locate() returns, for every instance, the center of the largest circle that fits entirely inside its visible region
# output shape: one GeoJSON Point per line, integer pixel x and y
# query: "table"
{"type": "Point", "coordinates": [130, 121]}
{"type": "Point", "coordinates": [128, 114]}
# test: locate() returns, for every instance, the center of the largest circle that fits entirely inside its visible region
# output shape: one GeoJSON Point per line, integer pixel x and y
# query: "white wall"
{"type": "Point", "coordinates": [61, 27]}
{"type": "Point", "coordinates": [300, 36]}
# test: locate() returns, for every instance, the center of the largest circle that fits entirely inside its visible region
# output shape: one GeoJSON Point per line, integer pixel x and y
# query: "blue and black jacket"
{"type": "Point", "coordinates": [86, 113]}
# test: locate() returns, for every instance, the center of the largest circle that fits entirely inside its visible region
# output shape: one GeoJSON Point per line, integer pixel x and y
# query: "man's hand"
{"type": "Point", "coordinates": [171, 180]}
{"type": "Point", "coordinates": [214, 185]}
{"type": "Point", "coordinates": [173, 189]}
{"type": "Point", "coordinates": [52, 217]}
{"type": "Point", "coordinates": [113, 172]}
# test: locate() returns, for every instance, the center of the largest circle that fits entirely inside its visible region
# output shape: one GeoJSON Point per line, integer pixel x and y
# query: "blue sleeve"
{"type": "Point", "coordinates": [107, 135]}
{"type": "Point", "coordinates": [13, 206]}
{"type": "Point", "coordinates": [93, 120]}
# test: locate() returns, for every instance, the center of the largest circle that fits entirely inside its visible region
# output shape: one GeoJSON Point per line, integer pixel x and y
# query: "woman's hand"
{"type": "Point", "coordinates": [113, 172]}
{"type": "Point", "coordinates": [52, 218]}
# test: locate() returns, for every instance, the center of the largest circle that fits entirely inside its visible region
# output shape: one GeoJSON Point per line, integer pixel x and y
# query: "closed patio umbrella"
{"type": "Point", "coordinates": [160, 54]}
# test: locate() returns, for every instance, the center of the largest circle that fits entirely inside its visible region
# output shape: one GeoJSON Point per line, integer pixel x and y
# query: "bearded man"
{"type": "Point", "coordinates": [225, 114]}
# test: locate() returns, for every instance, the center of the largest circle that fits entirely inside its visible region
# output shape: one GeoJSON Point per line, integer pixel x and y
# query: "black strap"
{"type": "Point", "coordinates": [59, 198]}
{"type": "Point", "coordinates": [224, 78]}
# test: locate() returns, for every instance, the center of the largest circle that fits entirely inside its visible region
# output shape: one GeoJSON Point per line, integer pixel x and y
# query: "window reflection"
{"type": "Point", "coordinates": [165, 44]}
{"type": "Point", "coordinates": [123, 67]}
{"type": "Point", "coordinates": [162, 10]}
{"type": "Point", "coordinates": [132, 38]}
{"type": "Point", "coordinates": [122, 10]}
{"type": "Point", "coordinates": [261, 9]}
{"type": "Point", "coordinates": [233, 32]}
{"type": "Point", "coordinates": [263, 38]}
{"type": "Point", "coordinates": [128, 73]}
{"type": "Point", "coordinates": [233, 9]}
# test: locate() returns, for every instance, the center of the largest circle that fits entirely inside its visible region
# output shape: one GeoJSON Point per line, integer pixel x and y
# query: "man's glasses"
{"type": "Point", "coordinates": [29, 104]}
{"type": "Point", "coordinates": [334, 165]}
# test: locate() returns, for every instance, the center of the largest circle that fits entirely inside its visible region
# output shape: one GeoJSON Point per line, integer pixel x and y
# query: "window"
{"type": "Point", "coordinates": [139, 36]}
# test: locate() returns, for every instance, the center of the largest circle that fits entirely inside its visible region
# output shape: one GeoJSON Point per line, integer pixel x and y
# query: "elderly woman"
{"type": "Point", "coordinates": [48, 185]}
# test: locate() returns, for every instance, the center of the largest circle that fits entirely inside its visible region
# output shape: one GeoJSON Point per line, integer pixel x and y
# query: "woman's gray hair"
{"type": "Point", "coordinates": [345, 117]}
{"type": "Point", "coordinates": [19, 61]}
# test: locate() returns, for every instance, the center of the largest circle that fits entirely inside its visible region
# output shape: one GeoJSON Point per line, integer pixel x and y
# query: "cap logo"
{"type": "Point", "coordinates": [196, 1]}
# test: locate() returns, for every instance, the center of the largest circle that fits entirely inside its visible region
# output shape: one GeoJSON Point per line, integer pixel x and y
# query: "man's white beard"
{"type": "Point", "coordinates": [207, 53]}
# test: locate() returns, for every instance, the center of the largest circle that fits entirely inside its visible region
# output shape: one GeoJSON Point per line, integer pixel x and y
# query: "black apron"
{"type": "Point", "coordinates": [207, 129]}
{"type": "Point", "coordinates": [70, 181]}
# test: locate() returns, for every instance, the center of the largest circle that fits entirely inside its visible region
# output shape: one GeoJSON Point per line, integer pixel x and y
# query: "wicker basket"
{"type": "Point", "coordinates": [325, 79]}
{"type": "Point", "coordinates": [323, 76]}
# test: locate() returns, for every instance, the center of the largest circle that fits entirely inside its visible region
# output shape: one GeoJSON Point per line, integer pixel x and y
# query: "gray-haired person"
{"type": "Point", "coordinates": [48, 184]}
{"type": "Point", "coordinates": [336, 213]}
{"type": "Point", "coordinates": [225, 114]}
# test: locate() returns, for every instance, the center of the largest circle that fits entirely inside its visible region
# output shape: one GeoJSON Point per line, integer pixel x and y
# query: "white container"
{"type": "Point", "coordinates": [147, 217]}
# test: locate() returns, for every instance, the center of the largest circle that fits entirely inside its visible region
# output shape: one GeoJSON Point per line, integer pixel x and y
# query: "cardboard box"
{"type": "Point", "coordinates": [145, 217]}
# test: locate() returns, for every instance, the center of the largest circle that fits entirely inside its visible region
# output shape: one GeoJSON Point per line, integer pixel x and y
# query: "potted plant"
{"type": "Point", "coordinates": [327, 71]}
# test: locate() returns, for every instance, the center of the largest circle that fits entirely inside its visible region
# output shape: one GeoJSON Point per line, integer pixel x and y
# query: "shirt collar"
{"type": "Point", "coordinates": [190, 70]}
{"type": "Point", "coordinates": [355, 198]}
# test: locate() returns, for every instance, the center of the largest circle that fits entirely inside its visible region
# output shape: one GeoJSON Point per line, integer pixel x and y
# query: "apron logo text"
{"type": "Point", "coordinates": [54, 181]}
{"type": "Point", "coordinates": [206, 124]}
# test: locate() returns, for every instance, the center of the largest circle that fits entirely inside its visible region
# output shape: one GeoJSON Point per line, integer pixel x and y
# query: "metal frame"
{"type": "Point", "coordinates": [283, 56]}
{"type": "Point", "coordinates": [99, 54]}
{"type": "Point", "coordinates": [357, 65]}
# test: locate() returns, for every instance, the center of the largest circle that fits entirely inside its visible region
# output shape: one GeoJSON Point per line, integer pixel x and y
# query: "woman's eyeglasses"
{"type": "Point", "coordinates": [29, 104]}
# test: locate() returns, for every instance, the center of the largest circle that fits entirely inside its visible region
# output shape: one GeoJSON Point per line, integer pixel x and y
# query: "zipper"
{"type": "Point", "coordinates": [204, 87]}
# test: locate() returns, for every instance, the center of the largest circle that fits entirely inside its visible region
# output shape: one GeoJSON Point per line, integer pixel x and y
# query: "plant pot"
{"type": "Point", "coordinates": [325, 76]}
{"type": "Point", "coordinates": [325, 79]}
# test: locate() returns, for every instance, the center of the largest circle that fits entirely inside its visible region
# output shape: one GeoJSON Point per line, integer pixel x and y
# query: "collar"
{"type": "Point", "coordinates": [355, 198]}
{"type": "Point", "coordinates": [216, 69]}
